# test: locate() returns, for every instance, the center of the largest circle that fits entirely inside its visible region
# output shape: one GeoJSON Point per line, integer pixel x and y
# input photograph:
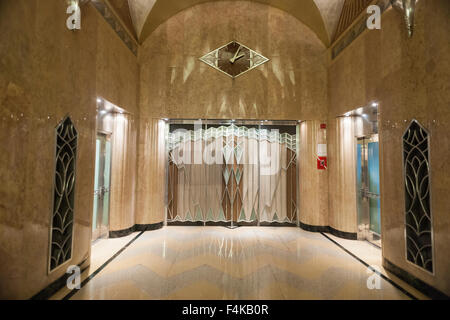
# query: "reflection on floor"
{"type": "Point", "coordinates": [246, 263]}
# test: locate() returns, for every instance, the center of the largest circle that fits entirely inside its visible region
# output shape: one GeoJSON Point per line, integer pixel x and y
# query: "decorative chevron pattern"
{"type": "Point", "coordinates": [247, 263]}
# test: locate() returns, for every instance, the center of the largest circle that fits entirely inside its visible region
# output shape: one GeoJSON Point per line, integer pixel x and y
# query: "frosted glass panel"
{"type": "Point", "coordinates": [374, 187]}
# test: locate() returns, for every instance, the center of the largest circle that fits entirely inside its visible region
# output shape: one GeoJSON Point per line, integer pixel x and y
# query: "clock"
{"type": "Point", "coordinates": [234, 59]}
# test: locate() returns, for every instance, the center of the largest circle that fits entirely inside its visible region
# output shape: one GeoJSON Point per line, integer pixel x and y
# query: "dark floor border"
{"type": "Point", "coordinates": [217, 224]}
{"type": "Point", "coordinates": [103, 266]}
{"type": "Point", "coordinates": [373, 270]}
{"type": "Point", "coordinates": [328, 229]}
{"type": "Point", "coordinates": [420, 285]}
{"type": "Point", "coordinates": [135, 228]}
{"type": "Point", "coordinates": [277, 224]}
{"type": "Point", "coordinates": [185, 223]}
{"type": "Point", "coordinates": [57, 285]}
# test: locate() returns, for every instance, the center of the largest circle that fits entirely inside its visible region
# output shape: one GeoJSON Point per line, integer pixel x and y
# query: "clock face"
{"type": "Point", "coordinates": [234, 59]}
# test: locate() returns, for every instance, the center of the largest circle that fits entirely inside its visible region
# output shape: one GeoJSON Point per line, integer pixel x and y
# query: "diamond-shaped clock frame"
{"type": "Point", "coordinates": [212, 59]}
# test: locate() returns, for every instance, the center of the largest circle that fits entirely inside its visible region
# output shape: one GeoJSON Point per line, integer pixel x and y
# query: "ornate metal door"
{"type": "Point", "coordinates": [232, 174]}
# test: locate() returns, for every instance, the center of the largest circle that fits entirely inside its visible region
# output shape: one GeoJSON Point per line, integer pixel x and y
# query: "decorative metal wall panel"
{"type": "Point", "coordinates": [234, 59]}
{"type": "Point", "coordinates": [349, 34]}
{"type": "Point", "coordinates": [61, 233]}
{"type": "Point", "coordinates": [419, 241]}
{"type": "Point", "coordinates": [116, 25]}
{"type": "Point", "coordinates": [350, 11]}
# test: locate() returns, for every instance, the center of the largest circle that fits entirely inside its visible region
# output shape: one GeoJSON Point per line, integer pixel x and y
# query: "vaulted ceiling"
{"type": "Point", "coordinates": [142, 17]}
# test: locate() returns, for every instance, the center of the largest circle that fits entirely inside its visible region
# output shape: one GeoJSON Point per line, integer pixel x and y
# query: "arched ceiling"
{"type": "Point", "coordinates": [321, 16]}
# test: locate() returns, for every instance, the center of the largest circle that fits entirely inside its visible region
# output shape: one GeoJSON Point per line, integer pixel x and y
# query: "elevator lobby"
{"type": "Point", "coordinates": [189, 150]}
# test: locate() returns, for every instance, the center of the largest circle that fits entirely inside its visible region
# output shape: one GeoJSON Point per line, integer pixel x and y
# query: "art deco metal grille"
{"type": "Point", "coordinates": [61, 232]}
{"type": "Point", "coordinates": [419, 244]}
{"type": "Point", "coordinates": [245, 175]}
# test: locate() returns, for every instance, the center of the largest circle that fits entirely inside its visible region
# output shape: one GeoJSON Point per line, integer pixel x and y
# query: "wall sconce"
{"type": "Point", "coordinates": [408, 8]}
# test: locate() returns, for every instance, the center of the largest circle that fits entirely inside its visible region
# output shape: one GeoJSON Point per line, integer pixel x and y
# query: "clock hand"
{"type": "Point", "coordinates": [232, 60]}
{"type": "Point", "coordinates": [241, 56]}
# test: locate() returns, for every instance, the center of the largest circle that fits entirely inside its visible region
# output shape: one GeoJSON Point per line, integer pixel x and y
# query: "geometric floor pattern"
{"type": "Point", "coordinates": [250, 263]}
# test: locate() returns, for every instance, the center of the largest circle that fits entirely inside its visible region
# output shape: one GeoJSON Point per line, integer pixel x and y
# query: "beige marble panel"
{"type": "Point", "coordinates": [46, 73]}
{"type": "Point", "coordinates": [313, 182]}
{"type": "Point", "coordinates": [176, 84]}
{"type": "Point", "coordinates": [123, 172]}
{"type": "Point", "coordinates": [409, 78]}
{"type": "Point", "coordinates": [151, 168]}
{"type": "Point", "coordinates": [342, 174]}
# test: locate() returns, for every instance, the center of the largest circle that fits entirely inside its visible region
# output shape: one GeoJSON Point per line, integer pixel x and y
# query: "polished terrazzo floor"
{"type": "Point", "coordinates": [245, 263]}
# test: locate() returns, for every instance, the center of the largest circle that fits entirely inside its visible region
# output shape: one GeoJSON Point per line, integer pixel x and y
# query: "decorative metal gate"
{"type": "Point", "coordinates": [229, 174]}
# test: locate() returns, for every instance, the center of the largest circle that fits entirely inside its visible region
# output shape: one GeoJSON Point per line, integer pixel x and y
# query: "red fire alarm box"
{"type": "Point", "coordinates": [321, 163]}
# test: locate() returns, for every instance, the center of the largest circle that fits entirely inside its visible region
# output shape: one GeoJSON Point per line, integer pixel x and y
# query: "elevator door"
{"type": "Point", "coordinates": [368, 189]}
{"type": "Point", "coordinates": [100, 220]}
{"type": "Point", "coordinates": [232, 174]}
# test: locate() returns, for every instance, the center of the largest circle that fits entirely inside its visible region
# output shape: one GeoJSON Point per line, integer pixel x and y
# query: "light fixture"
{"type": "Point", "coordinates": [408, 9]}
{"type": "Point", "coordinates": [103, 112]}
{"type": "Point", "coordinates": [99, 100]}
{"type": "Point", "coordinates": [374, 104]}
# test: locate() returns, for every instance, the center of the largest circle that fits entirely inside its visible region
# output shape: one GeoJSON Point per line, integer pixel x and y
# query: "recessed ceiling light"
{"type": "Point", "coordinates": [374, 104]}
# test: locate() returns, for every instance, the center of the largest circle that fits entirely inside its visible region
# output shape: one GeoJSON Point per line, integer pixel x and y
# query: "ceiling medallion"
{"type": "Point", "coordinates": [234, 59]}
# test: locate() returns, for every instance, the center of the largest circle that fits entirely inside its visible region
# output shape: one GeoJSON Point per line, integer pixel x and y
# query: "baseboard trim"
{"type": "Point", "coordinates": [414, 282]}
{"type": "Point", "coordinates": [277, 224]}
{"type": "Point", "coordinates": [328, 229]}
{"type": "Point", "coordinates": [217, 224]}
{"type": "Point", "coordinates": [135, 228]}
{"type": "Point", "coordinates": [57, 285]}
{"type": "Point", "coordinates": [185, 223]}
{"type": "Point", "coordinates": [122, 233]}
{"type": "Point", "coordinates": [227, 224]}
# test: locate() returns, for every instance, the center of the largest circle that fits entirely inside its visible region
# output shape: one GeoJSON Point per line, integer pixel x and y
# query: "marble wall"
{"type": "Point", "coordinates": [409, 78]}
{"type": "Point", "coordinates": [151, 184]}
{"type": "Point", "coordinates": [313, 182]}
{"type": "Point", "coordinates": [123, 172]}
{"type": "Point", "coordinates": [175, 84]}
{"type": "Point", "coordinates": [47, 72]}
